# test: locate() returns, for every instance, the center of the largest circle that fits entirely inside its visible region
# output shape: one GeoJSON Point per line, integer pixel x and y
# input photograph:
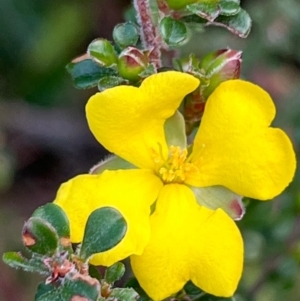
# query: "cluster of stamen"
{"type": "Point", "coordinates": [174, 169]}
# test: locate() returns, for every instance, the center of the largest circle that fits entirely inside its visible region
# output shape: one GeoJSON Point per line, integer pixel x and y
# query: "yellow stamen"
{"type": "Point", "coordinates": [174, 169]}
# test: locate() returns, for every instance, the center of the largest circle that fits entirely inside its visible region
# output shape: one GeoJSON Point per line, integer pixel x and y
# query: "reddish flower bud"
{"type": "Point", "coordinates": [131, 63]}
{"type": "Point", "coordinates": [215, 68]}
{"type": "Point", "coordinates": [220, 66]}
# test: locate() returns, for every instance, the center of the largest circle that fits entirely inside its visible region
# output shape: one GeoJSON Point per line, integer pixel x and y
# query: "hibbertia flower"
{"type": "Point", "coordinates": [180, 200]}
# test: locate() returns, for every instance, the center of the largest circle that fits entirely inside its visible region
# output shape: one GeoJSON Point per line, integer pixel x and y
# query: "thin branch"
{"type": "Point", "coordinates": [149, 33]}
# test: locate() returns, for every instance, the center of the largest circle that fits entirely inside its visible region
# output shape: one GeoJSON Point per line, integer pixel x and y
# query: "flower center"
{"type": "Point", "coordinates": [174, 169]}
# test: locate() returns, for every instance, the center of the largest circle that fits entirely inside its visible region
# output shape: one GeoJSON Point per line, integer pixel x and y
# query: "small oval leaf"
{"type": "Point", "coordinates": [86, 73]}
{"type": "Point", "coordinates": [17, 261]}
{"type": "Point", "coordinates": [239, 24]}
{"type": "Point", "coordinates": [39, 236]}
{"type": "Point", "coordinates": [126, 34]}
{"type": "Point", "coordinates": [173, 32]}
{"type": "Point", "coordinates": [109, 81]}
{"type": "Point", "coordinates": [102, 51]}
{"type": "Point", "coordinates": [124, 294]}
{"type": "Point", "coordinates": [207, 10]}
{"type": "Point", "coordinates": [56, 217]}
{"type": "Point", "coordinates": [229, 8]}
{"type": "Point", "coordinates": [114, 272]}
{"type": "Point", "coordinates": [104, 229]}
{"type": "Point", "coordinates": [80, 287]}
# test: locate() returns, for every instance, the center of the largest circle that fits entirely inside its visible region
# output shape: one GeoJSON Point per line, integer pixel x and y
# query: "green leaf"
{"type": "Point", "coordinates": [150, 69]}
{"type": "Point", "coordinates": [42, 289]}
{"type": "Point", "coordinates": [17, 261]}
{"type": "Point", "coordinates": [126, 34]}
{"type": "Point", "coordinates": [207, 10]}
{"type": "Point", "coordinates": [239, 24]}
{"type": "Point", "coordinates": [87, 73]}
{"type": "Point", "coordinates": [39, 236]}
{"type": "Point", "coordinates": [104, 229]}
{"type": "Point", "coordinates": [79, 286]}
{"type": "Point", "coordinates": [83, 286]}
{"type": "Point", "coordinates": [229, 8]}
{"type": "Point", "coordinates": [114, 272]}
{"type": "Point", "coordinates": [56, 217]}
{"type": "Point", "coordinates": [173, 32]}
{"type": "Point", "coordinates": [94, 272]}
{"type": "Point", "coordinates": [109, 81]}
{"type": "Point", "coordinates": [102, 52]}
{"type": "Point", "coordinates": [124, 294]}
{"type": "Point", "coordinates": [194, 19]}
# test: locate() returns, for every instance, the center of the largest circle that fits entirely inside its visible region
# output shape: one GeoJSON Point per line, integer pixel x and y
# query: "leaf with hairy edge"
{"type": "Point", "coordinates": [87, 73]}
{"type": "Point", "coordinates": [104, 229]}
{"type": "Point", "coordinates": [17, 261]}
{"type": "Point", "coordinates": [57, 218]}
{"type": "Point", "coordinates": [114, 272]}
{"type": "Point", "coordinates": [124, 294]}
{"type": "Point", "coordinates": [80, 287]}
{"type": "Point", "coordinates": [39, 236]}
{"type": "Point", "coordinates": [239, 24]}
{"type": "Point", "coordinates": [174, 32]}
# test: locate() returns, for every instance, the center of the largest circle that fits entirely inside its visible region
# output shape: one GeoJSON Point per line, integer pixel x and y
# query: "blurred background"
{"type": "Point", "coordinates": [44, 138]}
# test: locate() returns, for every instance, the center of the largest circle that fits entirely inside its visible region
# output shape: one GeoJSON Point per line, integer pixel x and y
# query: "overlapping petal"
{"type": "Point", "coordinates": [189, 242]}
{"type": "Point", "coordinates": [131, 192]}
{"type": "Point", "coordinates": [236, 148]}
{"type": "Point", "coordinates": [129, 121]}
{"type": "Point", "coordinates": [215, 197]}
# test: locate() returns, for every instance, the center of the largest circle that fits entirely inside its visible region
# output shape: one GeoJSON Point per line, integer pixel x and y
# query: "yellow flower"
{"type": "Point", "coordinates": [190, 235]}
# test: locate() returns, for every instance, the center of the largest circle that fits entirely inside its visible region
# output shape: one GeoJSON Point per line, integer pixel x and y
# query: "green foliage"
{"type": "Point", "coordinates": [224, 13]}
{"type": "Point", "coordinates": [56, 217]}
{"type": "Point", "coordinates": [133, 65]}
{"type": "Point", "coordinates": [109, 81]}
{"type": "Point", "coordinates": [86, 73]}
{"type": "Point", "coordinates": [174, 33]}
{"type": "Point", "coordinates": [126, 34]}
{"type": "Point", "coordinates": [79, 286]}
{"type": "Point", "coordinates": [39, 236]}
{"type": "Point", "coordinates": [124, 294]}
{"type": "Point", "coordinates": [46, 235]}
{"type": "Point", "coordinates": [17, 261]}
{"type": "Point", "coordinates": [271, 58]}
{"type": "Point", "coordinates": [239, 24]}
{"type": "Point", "coordinates": [104, 229]}
{"type": "Point", "coordinates": [102, 52]}
{"type": "Point", "coordinates": [114, 272]}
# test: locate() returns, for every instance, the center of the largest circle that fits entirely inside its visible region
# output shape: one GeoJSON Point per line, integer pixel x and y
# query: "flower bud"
{"type": "Point", "coordinates": [102, 51]}
{"type": "Point", "coordinates": [131, 63]}
{"type": "Point", "coordinates": [215, 68]}
{"type": "Point", "coordinates": [220, 66]}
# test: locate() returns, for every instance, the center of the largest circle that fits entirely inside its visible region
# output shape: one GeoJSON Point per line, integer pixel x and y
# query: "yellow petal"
{"type": "Point", "coordinates": [129, 121]}
{"type": "Point", "coordinates": [131, 192]}
{"type": "Point", "coordinates": [236, 148]}
{"type": "Point", "coordinates": [189, 242]}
